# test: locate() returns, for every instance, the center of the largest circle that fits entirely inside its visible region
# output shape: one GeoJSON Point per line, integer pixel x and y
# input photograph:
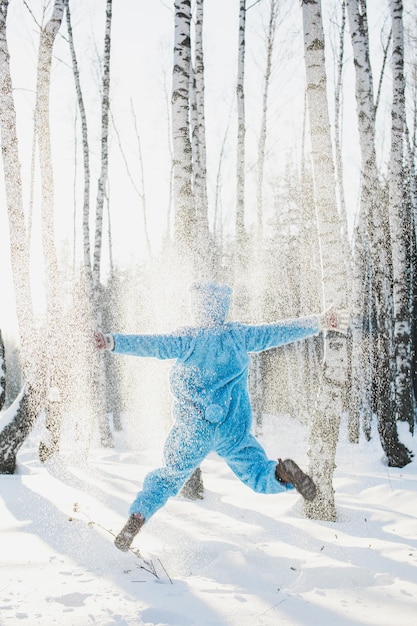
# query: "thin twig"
{"type": "Point", "coordinates": [150, 566]}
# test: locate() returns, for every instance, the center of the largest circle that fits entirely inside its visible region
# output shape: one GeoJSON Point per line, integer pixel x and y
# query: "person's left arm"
{"type": "Point", "coordinates": [265, 336]}
{"type": "Point", "coordinates": [170, 346]}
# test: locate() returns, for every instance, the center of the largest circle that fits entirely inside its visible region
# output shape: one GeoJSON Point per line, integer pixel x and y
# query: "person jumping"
{"type": "Point", "coordinates": [211, 405]}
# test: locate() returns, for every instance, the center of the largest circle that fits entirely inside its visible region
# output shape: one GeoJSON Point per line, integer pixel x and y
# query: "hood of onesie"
{"type": "Point", "coordinates": [210, 303]}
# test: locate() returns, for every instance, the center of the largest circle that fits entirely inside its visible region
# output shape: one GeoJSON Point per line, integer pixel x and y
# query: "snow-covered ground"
{"type": "Point", "coordinates": [235, 558]}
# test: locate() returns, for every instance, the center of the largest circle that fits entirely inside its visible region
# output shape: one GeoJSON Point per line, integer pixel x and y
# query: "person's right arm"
{"type": "Point", "coordinates": [170, 346]}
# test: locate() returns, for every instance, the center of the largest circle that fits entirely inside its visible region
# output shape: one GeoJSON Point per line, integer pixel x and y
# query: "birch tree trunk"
{"type": "Point", "coordinates": [199, 152]}
{"type": "Point", "coordinates": [241, 129]}
{"type": "Point", "coordinates": [185, 216]}
{"type": "Point", "coordinates": [43, 135]}
{"type": "Point", "coordinates": [273, 12]}
{"type": "Point", "coordinates": [399, 225]}
{"type": "Point", "coordinates": [2, 373]}
{"type": "Point", "coordinates": [85, 144]}
{"type": "Point", "coordinates": [53, 378]}
{"type": "Point", "coordinates": [326, 419]}
{"type": "Point", "coordinates": [102, 181]}
{"type": "Point", "coordinates": [257, 360]}
{"type": "Point", "coordinates": [105, 434]}
{"type": "Point", "coordinates": [338, 122]}
{"type": "Point", "coordinates": [375, 238]}
{"type": "Point", "coordinates": [13, 436]}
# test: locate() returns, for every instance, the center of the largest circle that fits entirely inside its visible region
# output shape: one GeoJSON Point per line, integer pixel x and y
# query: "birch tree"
{"type": "Point", "coordinates": [326, 419]}
{"type": "Point", "coordinates": [399, 224]}
{"type": "Point", "coordinates": [257, 360]}
{"type": "Point", "coordinates": [43, 135]}
{"type": "Point", "coordinates": [85, 145]}
{"type": "Point", "coordinates": [185, 216]}
{"type": "Point", "coordinates": [187, 229]}
{"type": "Point", "coordinates": [102, 181]}
{"type": "Point", "coordinates": [199, 160]}
{"type": "Point", "coordinates": [53, 337]}
{"type": "Point", "coordinates": [2, 373]}
{"type": "Point", "coordinates": [273, 12]}
{"type": "Point", "coordinates": [338, 118]}
{"type": "Point", "coordinates": [377, 246]}
{"type": "Point", "coordinates": [241, 129]}
{"type": "Point", "coordinates": [27, 407]}
{"type": "Point", "coordinates": [105, 434]}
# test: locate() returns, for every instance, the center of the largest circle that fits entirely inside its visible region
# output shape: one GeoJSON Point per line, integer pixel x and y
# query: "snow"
{"type": "Point", "coordinates": [234, 558]}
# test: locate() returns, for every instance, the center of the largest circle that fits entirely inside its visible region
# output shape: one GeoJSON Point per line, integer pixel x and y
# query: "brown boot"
{"type": "Point", "coordinates": [129, 531]}
{"type": "Point", "coordinates": [288, 472]}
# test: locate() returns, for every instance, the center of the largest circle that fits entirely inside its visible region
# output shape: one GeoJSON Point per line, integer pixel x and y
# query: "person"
{"type": "Point", "coordinates": [211, 405]}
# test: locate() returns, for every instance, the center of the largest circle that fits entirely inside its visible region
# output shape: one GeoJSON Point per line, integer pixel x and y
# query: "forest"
{"type": "Point", "coordinates": [268, 144]}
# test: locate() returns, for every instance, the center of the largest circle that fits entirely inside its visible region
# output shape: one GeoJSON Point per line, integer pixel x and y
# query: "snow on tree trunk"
{"type": "Point", "coordinates": [324, 431]}
{"type": "Point", "coordinates": [43, 135]}
{"type": "Point", "coordinates": [13, 187]}
{"type": "Point", "coordinates": [13, 435]}
{"type": "Point", "coordinates": [399, 225]}
{"type": "Point", "coordinates": [376, 240]}
{"type": "Point", "coordinates": [53, 335]}
{"type": "Point", "coordinates": [185, 216]}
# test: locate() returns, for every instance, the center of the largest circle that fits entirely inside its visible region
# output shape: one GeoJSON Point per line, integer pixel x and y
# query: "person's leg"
{"type": "Point", "coordinates": [247, 459]}
{"type": "Point", "coordinates": [185, 448]}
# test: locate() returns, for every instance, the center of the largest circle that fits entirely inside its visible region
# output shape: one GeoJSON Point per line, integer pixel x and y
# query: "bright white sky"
{"type": "Point", "coordinates": [142, 41]}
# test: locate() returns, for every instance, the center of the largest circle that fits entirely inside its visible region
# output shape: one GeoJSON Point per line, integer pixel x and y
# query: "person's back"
{"type": "Point", "coordinates": [216, 364]}
{"type": "Point", "coordinates": [212, 409]}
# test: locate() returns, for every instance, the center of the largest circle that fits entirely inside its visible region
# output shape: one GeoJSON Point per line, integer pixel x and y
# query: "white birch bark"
{"type": "Point", "coordinates": [399, 223]}
{"type": "Point", "coordinates": [241, 128]}
{"type": "Point", "coordinates": [366, 122]}
{"type": "Point", "coordinates": [102, 181]}
{"type": "Point", "coordinates": [338, 100]}
{"type": "Point", "coordinates": [273, 12]}
{"type": "Point", "coordinates": [85, 145]}
{"type": "Point", "coordinates": [374, 238]}
{"type": "Point", "coordinates": [13, 188]}
{"type": "Point", "coordinates": [99, 372]}
{"type": "Point", "coordinates": [186, 226]}
{"type": "Point", "coordinates": [53, 335]}
{"type": "Point", "coordinates": [200, 162]}
{"type": "Point", "coordinates": [13, 436]}
{"type": "Point", "coordinates": [185, 218]}
{"type": "Point", "coordinates": [2, 373]}
{"type": "Point", "coordinates": [43, 135]}
{"type": "Point", "coordinates": [324, 431]}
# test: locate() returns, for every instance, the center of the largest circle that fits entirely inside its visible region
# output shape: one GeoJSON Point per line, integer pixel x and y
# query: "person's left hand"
{"type": "Point", "coordinates": [102, 341]}
{"type": "Point", "coordinates": [335, 319]}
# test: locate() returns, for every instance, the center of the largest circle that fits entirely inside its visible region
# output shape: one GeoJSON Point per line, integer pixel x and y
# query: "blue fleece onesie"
{"type": "Point", "coordinates": [211, 409]}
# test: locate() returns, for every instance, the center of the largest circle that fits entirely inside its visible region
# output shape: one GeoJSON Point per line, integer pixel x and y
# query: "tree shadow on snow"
{"type": "Point", "coordinates": [89, 549]}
